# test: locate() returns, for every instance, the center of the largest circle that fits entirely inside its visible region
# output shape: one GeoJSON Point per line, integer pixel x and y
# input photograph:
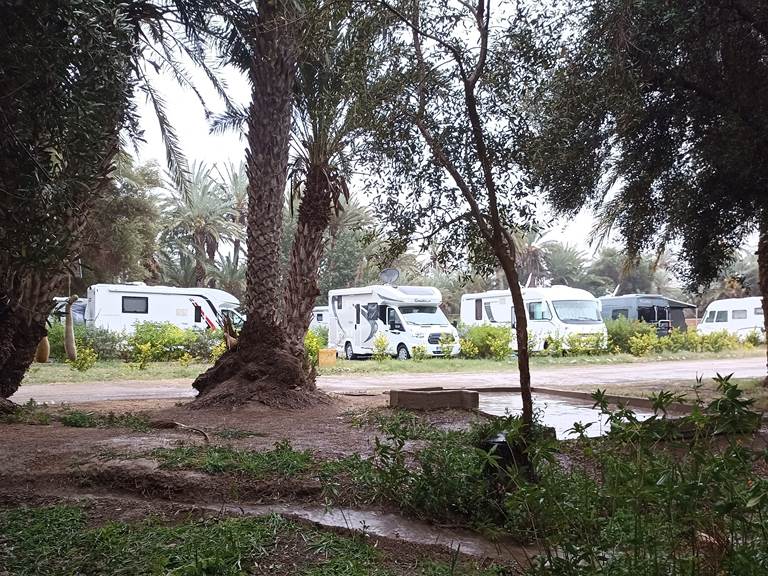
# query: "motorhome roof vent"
{"type": "Point", "coordinates": [389, 276]}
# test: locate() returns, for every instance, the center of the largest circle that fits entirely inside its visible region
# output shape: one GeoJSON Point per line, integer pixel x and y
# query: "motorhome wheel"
{"type": "Point", "coordinates": [348, 353]}
{"type": "Point", "coordinates": [402, 352]}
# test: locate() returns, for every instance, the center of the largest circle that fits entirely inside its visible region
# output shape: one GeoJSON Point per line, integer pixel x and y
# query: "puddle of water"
{"type": "Point", "coordinates": [396, 527]}
{"type": "Point", "coordinates": [559, 413]}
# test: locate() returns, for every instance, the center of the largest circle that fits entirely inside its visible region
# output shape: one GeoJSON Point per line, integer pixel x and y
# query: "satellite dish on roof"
{"type": "Point", "coordinates": [389, 276]}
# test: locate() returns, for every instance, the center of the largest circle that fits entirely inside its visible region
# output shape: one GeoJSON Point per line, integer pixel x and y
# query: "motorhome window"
{"type": "Point", "coordinates": [478, 308]}
{"type": "Point", "coordinates": [320, 317]}
{"type": "Point", "coordinates": [539, 311]}
{"type": "Point", "coordinates": [739, 314]}
{"type": "Point", "coordinates": [758, 311]}
{"type": "Point", "coordinates": [710, 316]}
{"type": "Point", "coordinates": [135, 305]}
{"type": "Point", "coordinates": [620, 313]}
{"type": "Point", "coordinates": [357, 313]}
{"type": "Point", "coordinates": [722, 316]}
{"type": "Point", "coordinates": [423, 315]}
{"type": "Point", "coordinates": [338, 302]}
{"type": "Point", "coordinates": [577, 311]}
{"type": "Point", "coordinates": [489, 312]}
{"type": "Point", "coordinates": [198, 314]}
{"type": "Point", "coordinates": [383, 313]}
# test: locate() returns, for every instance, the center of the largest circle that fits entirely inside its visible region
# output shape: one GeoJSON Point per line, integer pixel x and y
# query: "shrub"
{"type": "Point", "coordinates": [142, 355]}
{"type": "Point", "coordinates": [380, 345]}
{"type": "Point", "coordinates": [586, 344]}
{"type": "Point", "coordinates": [86, 359]}
{"type": "Point", "coordinates": [167, 341]}
{"type": "Point", "coordinates": [642, 344]}
{"type": "Point", "coordinates": [468, 348]}
{"type": "Point", "coordinates": [218, 351]}
{"type": "Point", "coordinates": [322, 335]}
{"type": "Point", "coordinates": [202, 342]}
{"type": "Point", "coordinates": [719, 341]}
{"type": "Point", "coordinates": [555, 346]}
{"type": "Point", "coordinates": [753, 339]}
{"type": "Point", "coordinates": [107, 345]}
{"type": "Point", "coordinates": [482, 338]}
{"type": "Point", "coordinates": [499, 346]}
{"type": "Point", "coordinates": [312, 347]}
{"type": "Point", "coordinates": [621, 331]}
{"type": "Point", "coordinates": [186, 359]}
{"type": "Point", "coordinates": [419, 353]}
{"type": "Point", "coordinates": [446, 344]}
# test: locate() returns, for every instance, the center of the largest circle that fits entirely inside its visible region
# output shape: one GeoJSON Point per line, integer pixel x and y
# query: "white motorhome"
{"type": "Point", "coordinates": [118, 307]}
{"type": "Point", "coordinates": [407, 315]}
{"type": "Point", "coordinates": [553, 312]}
{"type": "Point", "coordinates": [739, 316]}
{"type": "Point", "coordinates": [319, 317]}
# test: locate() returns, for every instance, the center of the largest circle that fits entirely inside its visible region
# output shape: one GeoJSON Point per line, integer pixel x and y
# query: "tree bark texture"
{"type": "Point", "coordinates": [762, 267]}
{"type": "Point", "coordinates": [262, 367]}
{"type": "Point", "coordinates": [21, 329]}
{"type": "Point", "coordinates": [302, 288]}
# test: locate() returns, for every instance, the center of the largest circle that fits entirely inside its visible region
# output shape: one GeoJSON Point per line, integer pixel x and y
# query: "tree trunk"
{"type": "Point", "coordinates": [762, 267]}
{"type": "Point", "coordinates": [70, 346]}
{"type": "Point", "coordinates": [262, 367]}
{"type": "Point", "coordinates": [198, 241]}
{"type": "Point", "coordinates": [211, 247]}
{"type": "Point", "coordinates": [302, 288]}
{"type": "Point", "coordinates": [236, 253]}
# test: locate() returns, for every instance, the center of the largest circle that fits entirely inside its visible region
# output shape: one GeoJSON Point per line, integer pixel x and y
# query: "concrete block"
{"type": "Point", "coordinates": [434, 399]}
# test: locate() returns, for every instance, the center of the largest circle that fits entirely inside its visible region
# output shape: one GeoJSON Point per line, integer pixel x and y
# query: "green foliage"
{"type": "Point", "coordinates": [644, 343]}
{"type": "Point", "coordinates": [322, 335]}
{"type": "Point", "coordinates": [142, 355]}
{"type": "Point", "coordinates": [86, 359]}
{"type": "Point", "coordinates": [490, 341]}
{"type": "Point", "coordinates": [380, 347]}
{"type": "Point", "coordinates": [282, 460]}
{"type": "Point", "coordinates": [28, 413]}
{"type": "Point", "coordinates": [753, 339]}
{"type": "Point", "coordinates": [447, 341]}
{"type": "Point", "coordinates": [185, 359]}
{"type": "Point", "coordinates": [106, 344]}
{"type": "Point", "coordinates": [218, 351]}
{"type": "Point", "coordinates": [468, 348]}
{"type": "Point", "coordinates": [167, 341]}
{"type": "Point", "coordinates": [312, 345]}
{"type": "Point", "coordinates": [419, 353]}
{"type": "Point", "coordinates": [586, 344]}
{"type": "Point", "coordinates": [554, 346]}
{"type": "Point", "coordinates": [621, 330]}
{"type": "Point", "coordinates": [81, 419]}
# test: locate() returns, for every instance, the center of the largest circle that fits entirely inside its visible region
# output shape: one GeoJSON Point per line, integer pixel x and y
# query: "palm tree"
{"type": "Point", "coordinates": [564, 263]}
{"type": "Point", "coordinates": [229, 276]}
{"type": "Point", "coordinates": [235, 186]}
{"type": "Point", "coordinates": [530, 259]}
{"type": "Point", "coordinates": [202, 216]}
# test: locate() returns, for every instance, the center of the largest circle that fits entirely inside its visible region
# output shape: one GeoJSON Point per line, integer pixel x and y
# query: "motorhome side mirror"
{"type": "Point", "coordinates": [455, 323]}
{"type": "Point", "coordinates": [393, 326]}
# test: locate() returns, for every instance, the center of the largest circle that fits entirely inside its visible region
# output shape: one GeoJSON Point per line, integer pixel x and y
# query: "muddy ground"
{"type": "Point", "coordinates": [108, 471]}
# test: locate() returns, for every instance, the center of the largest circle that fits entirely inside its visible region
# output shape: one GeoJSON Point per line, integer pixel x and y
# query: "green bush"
{"type": "Point", "coordinates": [380, 345]}
{"type": "Point", "coordinates": [312, 347]}
{"type": "Point", "coordinates": [107, 345]}
{"type": "Point", "coordinates": [586, 344]}
{"type": "Point", "coordinates": [202, 342]}
{"type": "Point", "coordinates": [447, 342]}
{"type": "Point", "coordinates": [642, 344]}
{"type": "Point", "coordinates": [468, 348]}
{"type": "Point", "coordinates": [489, 340]}
{"type": "Point", "coordinates": [753, 339]}
{"type": "Point", "coordinates": [168, 342]}
{"type": "Point", "coordinates": [419, 353]}
{"type": "Point", "coordinates": [218, 351]}
{"type": "Point", "coordinates": [86, 359]}
{"type": "Point", "coordinates": [322, 334]}
{"type": "Point", "coordinates": [621, 331]}
{"type": "Point", "coordinates": [555, 346]}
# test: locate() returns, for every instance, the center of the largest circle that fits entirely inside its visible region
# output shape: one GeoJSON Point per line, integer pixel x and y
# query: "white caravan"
{"type": "Point", "coordinates": [118, 307]}
{"type": "Point", "coordinates": [554, 312]}
{"type": "Point", "coordinates": [319, 317]}
{"type": "Point", "coordinates": [739, 316]}
{"type": "Point", "coordinates": [407, 315]}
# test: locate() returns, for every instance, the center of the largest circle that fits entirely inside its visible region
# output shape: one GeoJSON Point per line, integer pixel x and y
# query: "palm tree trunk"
{"type": "Point", "coordinates": [302, 289]}
{"type": "Point", "coordinates": [198, 242]}
{"type": "Point", "coordinates": [261, 367]}
{"type": "Point", "coordinates": [211, 247]}
{"type": "Point", "coordinates": [762, 267]}
{"type": "Point", "coordinates": [236, 255]}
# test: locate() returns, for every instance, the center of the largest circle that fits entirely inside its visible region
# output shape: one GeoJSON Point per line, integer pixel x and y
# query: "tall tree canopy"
{"type": "Point", "coordinates": [659, 112]}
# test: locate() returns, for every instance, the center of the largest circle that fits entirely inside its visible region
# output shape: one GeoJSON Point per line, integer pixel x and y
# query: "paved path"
{"type": "Point", "coordinates": [562, 375]}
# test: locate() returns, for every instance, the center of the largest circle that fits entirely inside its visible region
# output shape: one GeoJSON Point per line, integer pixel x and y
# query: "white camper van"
{"type": "Point", "coordinates": [118, 307]}
{"type": "Point", "coordinates": [557, 311]}
{"type": "Point", "coordinates": [407, 315]}
{"type": "Point", "coordinates": [739, 316]}
{"type": "Point", "coordinates": [319, 317]}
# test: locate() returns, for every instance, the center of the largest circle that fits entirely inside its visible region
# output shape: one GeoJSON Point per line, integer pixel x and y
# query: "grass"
{"type": "Point", "coordinates": [114, 370]}
{"type": "Point", "coordinates": [41, 414]}
{"type": "Point", "coordinates": [59, 540]}
{"type": "Point", "coordinates": [282, 460]}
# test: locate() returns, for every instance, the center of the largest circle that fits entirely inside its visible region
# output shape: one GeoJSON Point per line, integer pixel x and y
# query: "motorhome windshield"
{"type": "Point", "coordinates": [423, 315]}
{"type": "Point", "coordinates": [577, 311]}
